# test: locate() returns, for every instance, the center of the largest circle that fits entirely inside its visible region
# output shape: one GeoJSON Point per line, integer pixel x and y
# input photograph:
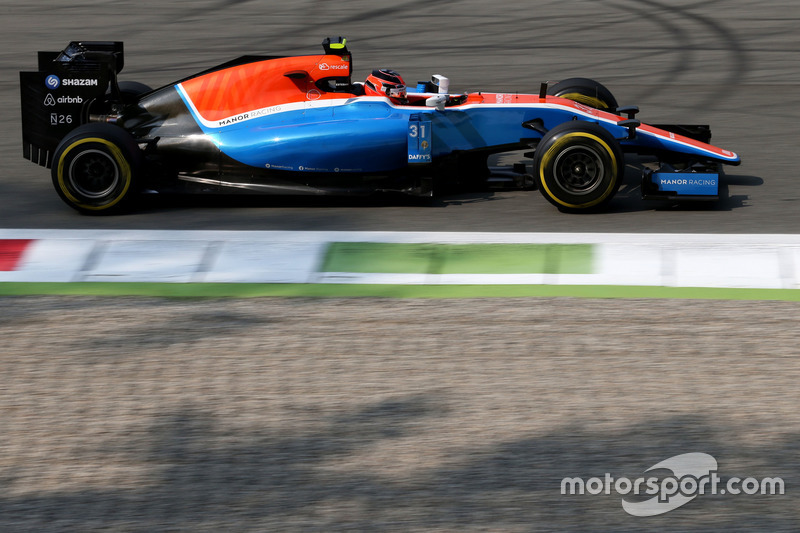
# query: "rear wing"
{"type": "Point", "coordinates": [57, 98]}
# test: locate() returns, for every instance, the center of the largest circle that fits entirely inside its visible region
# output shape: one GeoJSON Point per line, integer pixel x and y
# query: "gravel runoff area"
{"type": "Point", "coordinates": [136, 414]}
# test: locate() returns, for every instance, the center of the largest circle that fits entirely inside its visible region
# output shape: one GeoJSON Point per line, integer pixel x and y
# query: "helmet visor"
{"type": "Point", "coordinates": [396, 91]}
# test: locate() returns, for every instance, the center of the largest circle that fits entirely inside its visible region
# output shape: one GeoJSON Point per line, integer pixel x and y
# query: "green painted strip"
{"type": "Point", "coordinates": [255, 290]}
{"type": "Point", "coordinates": [426, 258]}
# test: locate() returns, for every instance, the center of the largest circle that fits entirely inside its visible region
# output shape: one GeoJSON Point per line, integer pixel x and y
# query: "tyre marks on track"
{"type": "Point", "coordinates": [694, 34]}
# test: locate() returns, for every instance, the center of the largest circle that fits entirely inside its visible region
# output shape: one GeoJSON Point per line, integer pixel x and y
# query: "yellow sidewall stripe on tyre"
{"type": "Point", "coordinates": [554, 149]}
{"type": "Point", "coordinates": [591, 101]}
{"type": "Point", "coordinates": [125, 171]}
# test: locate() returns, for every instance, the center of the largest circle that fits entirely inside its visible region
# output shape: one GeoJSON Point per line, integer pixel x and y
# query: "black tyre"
{"type": "Point", "coordinates": [578, 166]}
{"type": "Point", "coordinates": [585, 91]}
{"type": "Point", "coordinates": [96, 169]}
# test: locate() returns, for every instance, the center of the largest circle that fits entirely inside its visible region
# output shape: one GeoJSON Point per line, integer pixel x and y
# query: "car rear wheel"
{"type": "Point", "coordinates": [579, 166]}
{"type": "Point", "coordinates": [585, 91]}
{"type": "Point", "coordinates": [96, 169]}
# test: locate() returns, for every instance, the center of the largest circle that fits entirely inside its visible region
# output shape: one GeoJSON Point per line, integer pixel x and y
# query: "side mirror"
{"type": "Point", "coordinates": [438, 101]}
{"type": "Point", "coordinates": [441, 82]}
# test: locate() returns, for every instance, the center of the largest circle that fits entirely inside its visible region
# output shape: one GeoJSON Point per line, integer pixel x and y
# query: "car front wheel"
{"type": "Point", "coordinates": [579, 166]}
{"type": "Point", "coordinates": [585, 91]}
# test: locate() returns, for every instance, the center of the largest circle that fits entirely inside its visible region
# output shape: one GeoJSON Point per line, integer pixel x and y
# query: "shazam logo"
{"type": "Point", "coordinates": [52, 82]}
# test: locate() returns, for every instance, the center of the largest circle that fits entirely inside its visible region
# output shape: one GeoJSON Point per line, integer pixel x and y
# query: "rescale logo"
{"type": "Point", "coordinates": [325, 66]}
{"type": "Point", "coordinates": [52, 82]}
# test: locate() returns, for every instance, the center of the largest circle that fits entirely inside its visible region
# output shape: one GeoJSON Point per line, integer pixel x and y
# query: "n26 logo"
{"type": "Point", "coordinates": [56, 119]}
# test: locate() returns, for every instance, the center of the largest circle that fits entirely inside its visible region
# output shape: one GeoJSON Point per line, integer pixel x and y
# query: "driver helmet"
{"type": "Point", "coordinates": [385, 82]}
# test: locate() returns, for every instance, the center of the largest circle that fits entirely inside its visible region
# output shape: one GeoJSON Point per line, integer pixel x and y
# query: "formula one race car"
{"type": "Point", "coordinates": [300, 125]}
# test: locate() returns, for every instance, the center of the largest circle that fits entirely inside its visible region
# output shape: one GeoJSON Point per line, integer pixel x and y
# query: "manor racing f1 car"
{"type": "Point", "coordinates": [300, 125]}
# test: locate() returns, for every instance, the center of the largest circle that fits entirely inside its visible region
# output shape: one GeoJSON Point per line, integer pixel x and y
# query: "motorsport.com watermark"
{"type": "Point", "coordinates": [693, 474]}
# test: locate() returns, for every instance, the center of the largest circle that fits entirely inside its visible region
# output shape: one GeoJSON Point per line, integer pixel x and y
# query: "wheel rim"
{"type": "Point", "coordinates": [579, 169]}
{"type": "Point", "coordinates": [93, 174]}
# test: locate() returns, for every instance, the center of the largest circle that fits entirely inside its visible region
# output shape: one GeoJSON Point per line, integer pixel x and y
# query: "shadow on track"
{"type": "Point", "coordinates": [627, 200]}
{"type": "Point", "coordinates": [286, 478]}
